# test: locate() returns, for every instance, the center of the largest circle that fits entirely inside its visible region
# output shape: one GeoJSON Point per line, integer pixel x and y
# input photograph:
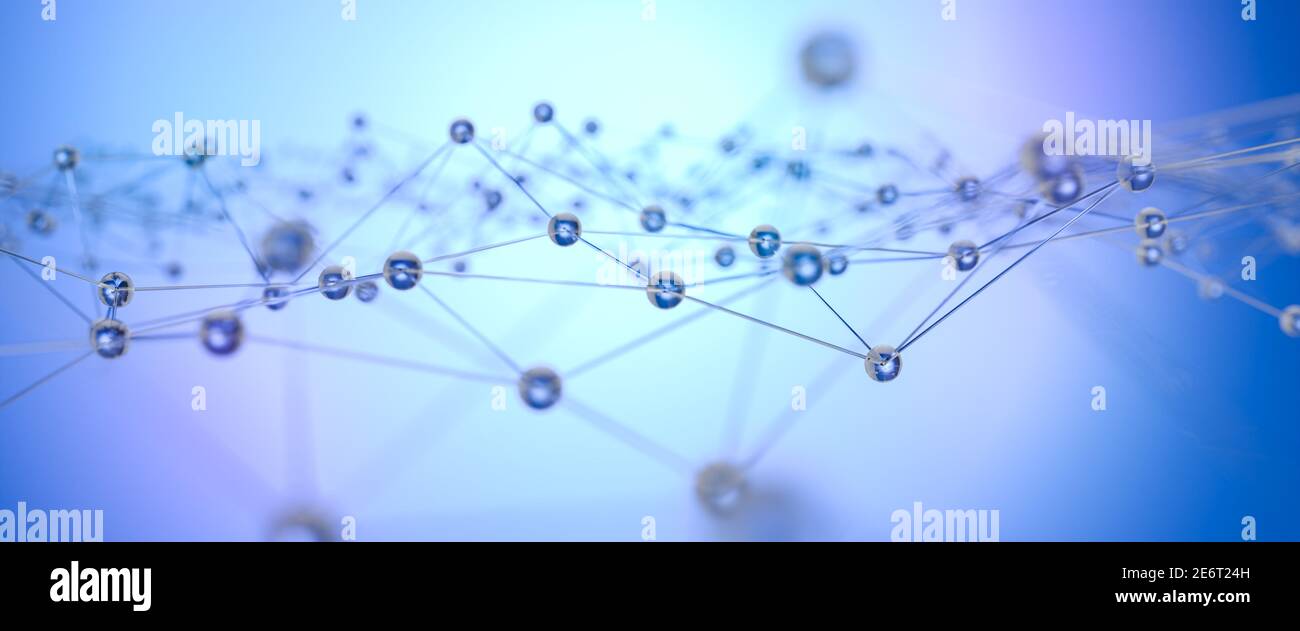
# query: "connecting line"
{"type": "Point", "coordinates": [777, 327]}
{"type": "Point", "coordinates": [786, 420]}
{"type": "Point", "coordinates": [1045, 215]}
{"type": "Point", "coordinates": [415, 212]}
{"type": "Point", "coordinates": [602, 166]}
{"type": "Point", "coordinates": [1175, 219]}
{"type": "Point", "coordinates": [50, 287]}
{"type": "Point", "coordinates": [672, 326]}
{"type": "Point", "coordinates": [185, 287]}
{"type": "Point", "coordinates": [456, 255]}
{"type": "Point", "coordinates": [57, 269]}
{"type": "Point", "coordinates": [955, 290]}
{"type": "Point", "coordinates": [631, 438]}
{"type": "Point", "coordinates": [1227, 289]}
{"type": "Point", "coordinates": [1011, 266]}
{"type": "Point", "coordinates": [44, 379]}
{"type": "Point", "coordinates": [379, 204]}
{"type": "Point", "coordinates": [583, 187]}
{"type": "Point", "coordinates": [475, 332]}
{"type": "Point", "coordinates": [837, 314]}
{"type": "Point", "coordinates": [379, 359]}
{"type": "Point", "coordinates": [512, 178]}
{"type": "Point", "coordinates": [615, 259]}
{"type": "Point", "coordinates": [225, 212]}
{"type": "Point", "coordinates": [1185, 163]}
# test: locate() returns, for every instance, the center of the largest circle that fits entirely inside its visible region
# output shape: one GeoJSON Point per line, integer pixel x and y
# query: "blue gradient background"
{"type": "Point", "coordinates": [992, 410]}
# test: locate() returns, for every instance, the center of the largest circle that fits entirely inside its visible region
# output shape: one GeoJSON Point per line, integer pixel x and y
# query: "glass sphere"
{"type": "Point", "coordinates": [883, 363]}
{"type": "Point", "coordinates": [116, 289]}
{"type": "Point", "coordinates": [461, 131]}
{"type": "Point", "coordinates": [1040, 164]}
{"type": "Point", "coordinates": [837, 264]}
{"type": "Point", "coordinates": [1290, 320]}
{"type": "Point", "coordinates": [539, 388]}
{"type": "Point", "coordinates": [367, 291]}
{"type": "Point", "coordinates": [968, 188]}
{"type": "Point", "coordinates": [965, 255]}
{"type": "Point", "coordinates": [1176, 243]}
{"type": "Point", "coordinates": [564, 229]}
{"type": "Point", "coordinates": [66, 157]}
{"type": "Point", "coordinates": [276, 297]}
{"type": "Point", "coordinates": [803, 264]}
{"type": "Point", "coordinates": [764, 241]}
{"type": "Point", "coordinates": [666, 289]}
{"type": "Point", "coordinates": [41, 222]}
{"type": "Point", "coordinates": [403, 270]}
{"type": "Point", "coordinates": [828, 60]}
{"type": "Point", "coordinates": [287, 246]}
{"type": "Point", "coordinates": [335, 282]}
{"type": "Point", "coordinates": [221, 332]}
{"type": "Point", "coordinates": [721, 487]}
{"type": "Point", "coordinates": [1135, 177]}
{"type": "Point", "coordinates": [1065, 188]}
{"type": "Point", "coordinates": [653, 218]}
{"type": "Point", "coordinates": [543, 112]}
{"type": "Point", "coordinates": [887, 194]}
{"type": "Point", "coordinates": [1150, 223]}
{"type": "Point", "coordinates": [1149, 252]}
{"type": "Point", "coordinates": [725, 256]}
{"type": "Point", "coordinates": [109, 338]}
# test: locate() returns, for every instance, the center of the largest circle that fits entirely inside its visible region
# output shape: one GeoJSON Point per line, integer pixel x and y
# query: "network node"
{"type": "Point", "coordinates": [965, 255]}
{"type": "Point", "coordinates": [335, 282]}
{"type": "Point", "coordinates": [803, 264]}
{"type": "Point", "coordinates": [721, 487]}
{"type": "Point", "coordinates": [828, 60]}
{"type": "Point", "coordinates": [109, 338]}
{"type": "Point", "coordinates": [116, 289]}
{"type": "Point", "coordinates": [968, 188]}
{"type": "Point", "coordinates": [592, 127]}
{"type": "Point", "coordinates": [1210, 288]}
{"type": "Point", "coordinates": [492, 199]}
{"type": "Point", "coordinates": [461, 131]}
{"type": "Point", "coordinates": [459, 266]}
{"type": "Point", "coordinates": [725, 256]}
{"type": "Point", "coordinates": [653, 218]}
{"type": "Point", "coordinates": [1065, 188]}
{"type": "Point", "coordinates": [543, 112]}
{"type": "Point", "coordinates": [798, 169]}
{"type": "Point", "coordinates": [564, 229]}
{"type": "Point", "coordinates": [1135, 177]}
{"type": "Point", "coordinates": [221, 332]}
{"type": "Point", "coordinates": [66, 157]}
{"type": "Point", "coordinates": [41, 222]}
{"type": "Point", "coordinates": [403, 270]}
{"type": "Point", "coordinates": [367, 291]}
{"type": "Point", "coordinates": [1149, 252]}
{"type": "Point", "coordinates": [883, 363]}
{"type": "Point", "coordinates": [1290, 320]}
{"type": "Point", "coordinates": [666, 289]}
{"type": "Point", "coordinates": [539, 388]}
{"type": "Point", "coordinates": [887, 194]}
{"type": "Point", "coordinates": [837, 264]}
{"type": "Point", "coordinates": [275, 297]}
{"type": "Point", "coordinates": [195, 153]}
{"type": "Point", "coordinates": [287, 246]}
{"type": "Point", "coordinates": [764, 241]}
{"type": "Point", "coordinates": [1150, 223]}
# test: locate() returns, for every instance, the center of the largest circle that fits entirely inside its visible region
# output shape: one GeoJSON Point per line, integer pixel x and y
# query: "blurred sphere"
{"type": "Point", "coordinates": [764, 241]}
{"type": "Point", "coordinates": [221, 332]}
{"type": "Point", "coordinates": [828, 60]}
{"type": "Point", "coordinates": [539, 388]}
{"type": "Point", "coordinates": [803, 264]}
{"type": "Point", "coordinates": [109, 338]}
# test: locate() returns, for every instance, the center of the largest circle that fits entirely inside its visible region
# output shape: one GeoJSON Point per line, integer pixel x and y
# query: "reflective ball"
{"type": "Point", "coordinates": [1150, 223]}
{"type": "Point", "coordinates": [276, 297]}
{"type": "Point", "coordinates": [887, 194]}
{"type": "Point", "coordinates": [335, 282]}
{"type": "Point", "coordinates": [539, 388]}
{"type": "Point", "coordinates": [403, 270]}
{"type": "Point", "coordinates": [883, 363]}
{"type": "Point", "coordinates": [116, 289]}
{"type": "Point", "coordinates": [1149, 252]}
{"type": "Point", "coordinates": [288, 246]}
{"type": "Point", "coordinates": [1135, 177]}
{"type": "Point", "coordinates": [564, 229]}
{"type": "Point", "coordinates": [109, 338]}
{"type": "Point", "coordinates": [725, 256]}
{"type": "Point", "coordinates": [653, 218]}
{"type": "Point", "coordinates": [964, 254]}
{"type": "Point", "coordinates": [66, 157]}
{"type": "Point", "coordinates": [721, 488]}
{"type": "Point", "coordinates": [968, 188]}
{"type": "Point", "coordinates": [828, 60]}
{"type": "Point", "coordinates": [543, 112]}
{"type": "Point", "coordinates": [461, 131]}
{"type": "Point", "coordinates": [803, 264]}
{"type": "Point", "coordinates": [1290, 320]}
{"type": "Point", "coordinates": [221, 332]}
{"type": "Point", "coordinates": [665, 290]}
{"type": "Point", "coordinates": [837, 263]}
{"type": "Point", "coordinates": [764, 241]}
{"type": "Point", "coordinates": [367, 291]}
